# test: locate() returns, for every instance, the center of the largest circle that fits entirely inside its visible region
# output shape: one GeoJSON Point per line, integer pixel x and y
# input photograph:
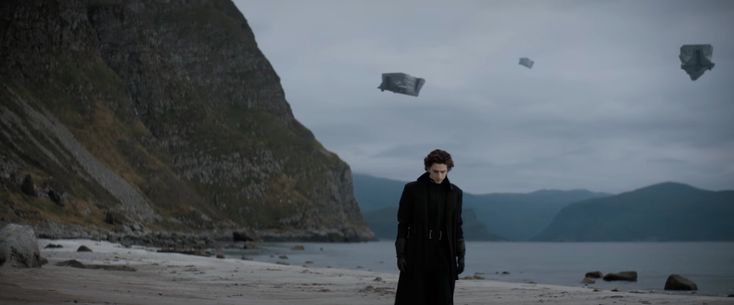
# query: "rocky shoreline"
{"type": "Point", "coordinates": [232, 238]}
{"type": "Point", "coordinates": [113, 273]}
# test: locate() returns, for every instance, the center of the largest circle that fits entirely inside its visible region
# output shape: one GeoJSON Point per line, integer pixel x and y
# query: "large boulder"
{"type": "Point", "coordinates": [594, 274]}
{"type": "Point", "coordinates": [677, 282]}
{"type": "Point", "coordinates": [83, 248]}
{"type": "Point", "coordinates": [19, 248]}
{"type": "Point", "coordinates": [630, 276]}
{"type": "Point", "coordinates": [28, 187]}
{"type": "Point", "coordinates": [243, 235]}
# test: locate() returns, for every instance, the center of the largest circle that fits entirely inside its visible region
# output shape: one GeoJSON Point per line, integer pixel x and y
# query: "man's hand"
{"type": "Point", "coordinates": [402, 264]}
{"type": "Point", "coordinates": [460, 265]}
{"type": "Point", "coordinates": [460, 252]}
{"type": "Point", "coordinates": [400, 251]}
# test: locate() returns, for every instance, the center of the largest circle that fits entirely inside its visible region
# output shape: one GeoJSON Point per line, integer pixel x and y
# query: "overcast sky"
{"type": "Point", "coordinates": [606, 107]}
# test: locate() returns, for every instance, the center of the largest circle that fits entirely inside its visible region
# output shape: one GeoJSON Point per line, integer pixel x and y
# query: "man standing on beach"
{"type": "Point", "coordinates": [430, 242]}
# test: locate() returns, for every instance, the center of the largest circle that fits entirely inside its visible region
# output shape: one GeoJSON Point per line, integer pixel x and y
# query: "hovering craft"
{"type": "Point", "coordinates": [696, 59]}
{"type": "Point", "coordinates": [526, 62]}
{"type": "Point", "coordinates": [401, 83]}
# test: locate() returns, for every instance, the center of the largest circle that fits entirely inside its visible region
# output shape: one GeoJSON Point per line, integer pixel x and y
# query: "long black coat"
{"type": "Point", "coordinates": [413, 226]}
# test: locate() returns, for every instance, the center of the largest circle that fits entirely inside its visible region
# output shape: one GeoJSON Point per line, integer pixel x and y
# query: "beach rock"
{"type": "Point", "coordinates": [630, 276]}
{"type": "Point", "coordinates": [298, 248]}
{"type": "Point", "coordinates": [19, 248]}
{"type": "Point", "coordinates": [71, 263]}
{"type": "Point", "coordinates": [594, 274]}
{"type": "Point", "coordinates": [53, 246]}
{"type": "Point", "coordinates": [677, 282]}
{"type": "Point", "coordinates": [56, 197]}
{"type": "Point", "coordinates": [83, 248]}
{"type": "Point", "coordinates": [77, 264]}
{"type": "Point", "coordinates": [28, 187]}
{"type": "Point", "coordinates": [117, 218]}
{"type": "Point", "coordinates": [476, 276]}
{"type": "Point", "coordinates": [242, 236]}
{"type": "Point", "coordinates": [136, 227]}
{"type": "Point", "coordinates": [197, 252]}
{"type": "Point", "coordinates": [220, 256]}
{"type": "Point", "coordinates": [588, 280]}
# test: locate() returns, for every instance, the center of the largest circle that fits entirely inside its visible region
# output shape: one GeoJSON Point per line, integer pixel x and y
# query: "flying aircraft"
{"type": "Point", "coordinates": [696, 59]}
{"type": "Point", "coordinates": [526, 62]}
{"type": "Point", "coordinates": [401, 83]}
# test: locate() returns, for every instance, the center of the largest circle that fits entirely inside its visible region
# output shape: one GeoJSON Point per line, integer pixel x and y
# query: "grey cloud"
{"type": "Point", "coordinates": [605, 107]}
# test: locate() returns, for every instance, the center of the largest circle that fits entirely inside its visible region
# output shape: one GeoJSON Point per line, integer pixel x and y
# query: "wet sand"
{"type": "Point", "coordinates": [172, 278]}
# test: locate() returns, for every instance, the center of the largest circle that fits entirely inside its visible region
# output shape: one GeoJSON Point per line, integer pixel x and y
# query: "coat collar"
{"type": "Point", "coordinates": [425, 178]}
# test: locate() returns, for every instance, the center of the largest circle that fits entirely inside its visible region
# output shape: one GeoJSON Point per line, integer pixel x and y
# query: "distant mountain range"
{"type": "Point", "coordinates": [383, 223]}
{"type": "Point", "coordinates": [378, 199]}
{"type": "Point", "coordinates": [661, 212]}
{"type": "Point", "coordinates": [486, 217]}
{"type": "Point", "coordinates": [518, 216]}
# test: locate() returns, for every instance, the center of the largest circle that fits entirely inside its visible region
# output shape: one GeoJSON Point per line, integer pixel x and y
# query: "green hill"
{"type": "Point", "coordinates": [662, 212]}
{"type": "Point", "coordinates": [157, 116]}
{"type": "Point", "coordinates": [518, 216]}
{"type": "Point", "coordinates": [383, 222]}
{"type": "Point", "coordinates": [375, 193]}
{"type": "Point", "coordinates": [378, 199]}
{"type": "Point", "coordinates": [486, 217]}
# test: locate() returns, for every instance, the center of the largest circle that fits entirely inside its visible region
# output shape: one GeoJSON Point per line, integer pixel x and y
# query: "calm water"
{"type": "Point", "coordinates": [709, 264]}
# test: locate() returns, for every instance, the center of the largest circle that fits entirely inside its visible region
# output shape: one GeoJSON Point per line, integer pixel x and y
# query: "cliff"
{"type": "Point", "coordinates": [137, 117]}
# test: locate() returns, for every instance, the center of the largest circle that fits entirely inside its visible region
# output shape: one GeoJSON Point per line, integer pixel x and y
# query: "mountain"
{"type": "Point", "coordinates": [383, 223]}
{"type": "Point", "coordinates": [375, 193]}
{"type": "Point", "coordinates": [152, 116]}
{"type": "Point", "coordinates": [504, 216]}
{"type": "Point", "coordinates": [661, 212]}
{"type": "Point", "coordinates": [489, 216]}
{"type": "Point", "coordinates": [379, 198]}
{"type": "Point", "coordinates": [520, 216]}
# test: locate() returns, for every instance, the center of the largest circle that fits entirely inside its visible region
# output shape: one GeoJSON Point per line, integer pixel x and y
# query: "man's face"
{"type": "Point", "coordinates": [438, 172]}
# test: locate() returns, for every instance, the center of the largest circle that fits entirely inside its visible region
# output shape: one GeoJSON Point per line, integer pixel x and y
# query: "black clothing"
{"type": "Point", "coordinates": [429, 222]}
{"type": "Point", "coordinates": [436, 203]}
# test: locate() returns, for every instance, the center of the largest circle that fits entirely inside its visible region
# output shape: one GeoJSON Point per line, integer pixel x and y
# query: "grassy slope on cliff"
{"type": "Point", "coordinates": [179, 102]}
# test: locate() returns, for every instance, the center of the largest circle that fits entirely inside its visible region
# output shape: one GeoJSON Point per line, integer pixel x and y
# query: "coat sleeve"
{"type": "Point", "coordinates": [404, 212]}
{"type": "Point", "coordinates": [459, 219]}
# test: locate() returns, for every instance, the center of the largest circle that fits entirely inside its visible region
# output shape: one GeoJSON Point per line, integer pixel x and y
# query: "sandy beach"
{"type": "Point", "coordinates": [172, 278]}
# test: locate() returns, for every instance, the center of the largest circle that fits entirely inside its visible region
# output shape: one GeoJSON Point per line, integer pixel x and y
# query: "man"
{"type": "Point", "coordinates": [430, 242]}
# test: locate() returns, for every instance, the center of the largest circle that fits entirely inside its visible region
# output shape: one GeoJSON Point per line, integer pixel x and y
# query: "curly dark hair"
{"type": "Point", "coordinates": [440, 157]}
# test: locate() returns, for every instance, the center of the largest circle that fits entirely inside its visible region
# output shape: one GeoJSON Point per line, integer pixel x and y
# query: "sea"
{"type": "Point", "coordinates": [709, 264]}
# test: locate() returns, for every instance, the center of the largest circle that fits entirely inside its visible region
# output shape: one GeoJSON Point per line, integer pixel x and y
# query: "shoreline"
{"type": "Point", "coordinates": [489, 261]}
{"type": "Point", "coordinates": [172, 278]}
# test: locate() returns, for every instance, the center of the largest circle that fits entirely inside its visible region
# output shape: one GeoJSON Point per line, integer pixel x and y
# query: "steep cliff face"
{"type": "Point", "coordinates": [160, 115]}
